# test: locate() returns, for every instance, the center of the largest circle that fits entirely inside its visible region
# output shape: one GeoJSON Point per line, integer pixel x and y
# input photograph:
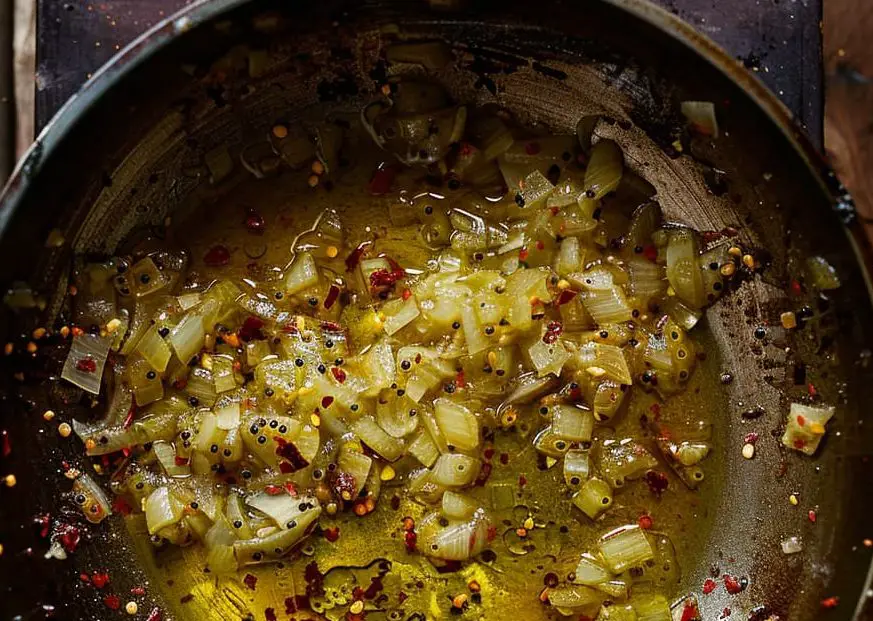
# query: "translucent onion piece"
{"type": "Point", "coordinates": [458, 541]}
{"type": "Point", "coordinates": [530, 387]}
{"type": "Point", "coordinates": [625, 547]}
{"type": "Point", "coordinates": [166, 455]}
{"type": "Point", "coordinates": [424, 449]}
{"type": "Point", "coordinates": [274, 546]}
{"type": "Point", "coordinates": [548, 357]}
{"type": "Point", "coordinates": [459, 506]}
{"type": "Point", "coordinates": [369, 431]}
{"type": "Point", "coordinates": [455, 470]}
{"type": "Point", "coordinates": [576, 467]}
{"type": "Point", "coordinates": [806, 427]}
{"type": "Point", "coordinates": [189, 300]}
{"type": "Point", "coordinates": [683, 268]}
{"type": "Point", "coordinates": [459, 426]}
{"type": "Point", "coordinates": [609, 306]}
{"type": "Point", "coordinates": [652, 608]}
{"type": "Point", "coordinates": [605, 168]}
{"type": "Point", "coordinates": [571, 423]}
{"type": "Point", "coordinates": [624, 460]}
{"type": "Point", "coordinates": [302, 275]}
{"type": "Point", "coordinates": [647, 280]}
{"type": "Point", "coordinates": [227, 412]}
{"type": "Point", "coordinates": [645, 221]}
{"type": "Point", "coordinates": [601, 360]}
{"type": "Point", "coordinates": [679, 312]}
{"type": "Point", "coordinates": [162, 509]}
{"type": "Point", "coordinates": [791, 545]}
{"type": "Point", "coordinates": [590, 571]}
{"type": "Point", "coordinates": [147, 278]}
{"type": "Point", "coordinates": [569, 256]}
{"type": "Point", "coordinates": [397, 415]}
{"type": "Point", "coordinates": [186, 338]}
{"type": "Point", "coordinates": [549, 443]}
{"type": "Point", "coordinates": [594, 498]}
{"type": "Point", "coordinates": [84, 364]}
{"type": "Point", "coordinates": [421, 486]}
{"type": "Point", "coordinates": [473, 331]}
{"type": "Point", "coordinates": [219, 541]}
{"type": "Point", "coordinates": [91, 499]}
{"type": "Point", "coordinates": [357, 465]}
{"type": "Point", "coordinates": [223, 374]}
{"type": "Point", "coordinates": [283, 508]}
{"type": "Point", "coordinates": [573, 596]}
{"type": "Point", "coordinates": [616, 589]}
{"type": "Point", "coordinates": [201, 385]}
{"type": "Point", "coordinates": [399, 314]}
{"type": "Point", "coordinates": [154, 349]}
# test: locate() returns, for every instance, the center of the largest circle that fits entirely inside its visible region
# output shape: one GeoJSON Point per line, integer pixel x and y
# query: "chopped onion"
{"type": "Point", "coordinates": [473, 332]}
{"type": "Point", "coordinates": [605, 168]}
{"type": "Point", "coordinates": [573, 596]}
{"type": "Point", "coordinates": [806, 427]}
{"type": "Point", "coordinates": [459, 506]}
{"type": "Point", "coordinates": [571, 423]}
{"type": "Point", "coordinates": [274, 546]}
{"type": "Point", "coordinates": [166, 455]}
{"type": "Point", "coordinates": [620, 461]}
{"type": "Point", "coordinates": [189, 300]}
{"type": "Point", "coordinates": [284, 509]}
{"type": "Point", "coordinates": [792, 545]}
{"type": "Point", "coordinates": [530, 387]}
{"type": "Point", "coordinates": [610, 306]}
{"type": "Point", "coordinates": [647, 280]}
{"type": "Point", "coordinates": [357, 465]}
{"type": "Point", "coordinates": [653, 608]}
{"type": "Point", "coordinates": [227, 412]}
{"type": "Point", "coordinates": [223, 374]}
{"type": "Point", "coordinates": [302, 275]}
{"type": "Point", "coordinates": [424, 449]}
{"type": "Point", "coordinates": [455, 470]}
{"type": "Point", "coordinates": [397, 415]}
{"type": "Point", "coordinates": [576, 467]}
{"type": "Point", "coordinates": [399, 314]}
{"type": "Point", "coordinates": [548, 357]}
{"type": "Point", "coordinates": [701, 115]}
{"type": "Point", "coordinates": [683, 268]}
{"type": "Point", "coordinates": [154, 349]}
{"type": "Point", "coordinates": [679, 312]}
{"type": "Point", "coordinates": [625, 547]}
{"type": "Point", "coordinates": [822, 275]}
{"type": "Point", "coordinates": [219, 541]}
{"type": "Point", "coordinates": [162, 509]}
{"type": "Point", "coordinates": [590, 571]}
{"type": "Point", "coordinates": [369, 431]}
{"type": "Point", "coordinates": [458, 541]}
{"type": "Point", "coordinates": [187, 337]}
{"type": "Point", "coordinates": [201, 384]}
{"type": "Point", "coordinates": [96, 507]}
{"type": "Point", "coordinates": [84, 364]}
{"type": "Point", "coordinates": [594, 498]}
{"type": "Point", "coordinates": [459, 426]}
{"type": "Point", "coordinates": [569, 256]}
{"type": "Point", "coordinates": [549, 443]}
{"type": "Point", "coordinates": [616, 589]}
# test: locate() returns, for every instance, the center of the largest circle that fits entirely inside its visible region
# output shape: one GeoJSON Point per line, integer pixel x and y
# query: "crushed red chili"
{"type": "Point", "coordinates": [217, 256]}
{"type": "Point", "coordinates": [354, 259]}
{"type": "Point", "coordinates": [86, 365]}
{"type": "Point", "coordinates": [113, 602]}
{"type": "Point", "coordinates": [250, 581]}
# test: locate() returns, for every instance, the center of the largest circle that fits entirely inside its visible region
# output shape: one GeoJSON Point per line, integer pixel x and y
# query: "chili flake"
{"type": "Point", "coordinates": [250, 581]}
{"type": "Point", "coordinates": [217, 256]}
{"type": "Point", "coordinates": [100, 580]}
{"type": "Point", "coordinates": [113, 602]}
{"type": "Point", "coordinates": [732, 585]}
{"type": "Point", "coordinates": [812, 516]}
{"type": "Point", "coordinates": [86, 365]}
{"type": "Point", "coordinates": [645, 522]}
{"type": "Point", "coordinates": [830, 602]}
{"type": "Point", "coordinates": [709, 586]}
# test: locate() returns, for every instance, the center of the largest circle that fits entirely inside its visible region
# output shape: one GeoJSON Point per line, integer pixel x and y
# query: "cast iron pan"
{"type": "Point", "coordinates": [116, 158]}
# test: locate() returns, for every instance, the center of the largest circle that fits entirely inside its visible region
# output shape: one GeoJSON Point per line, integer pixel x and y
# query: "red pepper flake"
{"type": "Point", "coordinates": [522, 254]}
{"type": "Point", "coordinates": [655, 409]}
{"type": "Point", "coordinates": [113, 602]}
{"type": "Point", "coordinates": [484, 474]}
{"type": "Point", "coordinates": [270, 614]}
{"type": "Point", "coordinates": [251, 329]}
{"type": "Point", "coordinates": [657, 482]}
{"type": "Point", "coordinates": [290, 452]}
{"type": "Point", "coordinates": [332, 533]}
{"type": "Point", "coordinates": [128, 420]}
{"type": "Point", "coordinates": [409, 540]}
{"type": "Point", "coordinates": [812, 516]}
{"type": "Point", "coordinates": [795, 288]}
{"type": "Point", "coordinates": [250, 581]}
{"type": "Point", "coordinates": [811, 389]}
{"type": "Point", "coordinates": [532, 148]}
{"type": "Point", "coordinates": [460, 380]}
{"type": "Point", "coordinates": [830, 602]}
{"type": "Point", "coordinates": [274, 490]}
{"type": "Point", "coordinates": [799, 444]}
{"type": "Point", "coordinates": [488, 453]}
{"type": "Point", "coordinates": [331, 326]}
{"type": "Point", "coordinates": [100, 580]}
{"type": "Point", "coordinates": [725, 613]}
{"type": "Point", "coordinates": [88, 365]}
{"type": "Point", "coordinates": [540, 244]}
{"type": "Point", "coordinates": [332, 295]}
{"type": "Point", "coordinates": [326, 401]}
{"type": "Point", "coordinates": [566, 296]}
{"type": "Point", "coordinates": [7, 443]}
{"type": "Point", "coordinates": [750, 438]}
{"type": "Point", "coordinates": [504, 458]}
{"type": "Point", "coordinates": [801, 420]}
{"type": "Point", "coordinates": [155, 615]}
{"type": "Point", "coordinates": [217, 256]}
{"type": "Point", "coordinates": [732, 585]}
{"type": "Point", "coordinates": [354, 259]}
{"type": "Point", "coordinates": [554, 210]}
{"type": "Point", "coordinates": [650, 252]}
{"type": "Point", "coordinates": [338, 374]}
{"type": "Point", "coordinates": [69, 537]}
{"type": "Point", "coordinates": [709, 586]}
{"type": "Point", "coordinates": [690, 612]}
{"type": "Point", "coordinates": [466, 149]}
{"type": "Point", "coordinates": [522, 480]}
{"type": "Point", "coordinates": [121, 506]}
{"type": "Point", "coordinates": [138, 591]}
{"type": "Point", "coordinates": [402, 597]}
{"type": "Point", "coordinates": [645, 522]}
{"type": "Point", "coordinates": [382, 180]}
{"type": "Point", "coordinates": [406, 294]}
{"type": "Point", "coordinates": [255, 222]}
{"type": "Point", "coordinates": [84, 577]}
{"type": "Point", "coordinates": [181, 461]}
{"type": "Point", "coordinates": [383, 279]}
{"type": "Point", "coordinates": [553, 331]}
{"type": "Point", "coordinates": [290, 488]}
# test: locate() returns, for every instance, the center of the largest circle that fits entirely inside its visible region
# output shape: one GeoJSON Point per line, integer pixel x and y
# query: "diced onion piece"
{"type": "Point", "coordinates": [455, 470]}
{"type": "Point", "coordinates": [162, 509]}
{"type": "Point", "coordinates": [605, 168]}
{"type": "Point", "coordinates": [399, 314]}
{"type": "Point", "coordinates": [792, 545]}
{"type": "Point", "coordinates": [84, 364]}
{"type": "Point", "coordinates": [458, 541]}
{"type": "Point", "coordinates": [806, 427]}
{"type": "Point", "coordinates": [548, 357]}
{"type": "Point", "coordinates": [284, 509]}
{"type": "Point", "coordinates": [549, 443]}
{"type": "Point", "coordinates": [186, 338]}
{"type": "Point", "coordinates": [166, 455]}
{"type": "Point", "coordinates": [459, 506]}
{"type": "Point", "coordinates": [590, 571]}
{"type": "Point", "coordinates": [701, 115]}
{"type": "Point", "coordinates": [535, 189]}
{"type": "Point", "coordinates": [424, 449]}
{"type": "Point", "coordinates": [356, 464]}
{"type": "Point", "coordinates": [219, 541]}
{"type": "Point", "coordinates": [822, 275]}
{"type": "Point", "coordinates": [625, 547]}
{"type": "Point", "coordinates": [530, 387]}
{"type": "Point", "coordinates": [208, 433]}
{"type": "Point", "coordinates": [302, 275]}
{"type": "Point", "coordinates": [397, 415]}
{"type": "Point", "coordinates": [369, 431]}
{"type": "Point", "coordinates": [679, 312]}
{"type": "Point", "coordinates": [380, 369]}
{"type": "Point", "coordinates": [683, 268]}
{"type": "Point", "coordinates": [576, 467]}
{"type": "Point", "coordinates": [147, 278]}
{"type": "Point", "coordinates": [616, 589]}
{"type": "Point", "coordinates": [420, 485]}
{"type": "Point", "coordinates": [594, 497]}
{"type": "Point", "coordinates": [223, 374]}
{"type": "Point", "coordinates": [624, 460]}
{"type": "Point", "coordinates": [154, 349]}
{"type": "Point", "coordinates": [238, 516]}
{"type": "Point", "coordinates": [228, 414]}
{"type": "Point", "coordinates": [201, 385]}
{"type": "Point", "coordinates": [609, 306]}
{"type": "Point", "coordinates": [96, 507]}
{"type": "Point", "coordinates": [473, 332]}
{"type": "Point", "coordinates": [646, 280]}
{"type": "Point", "coordinates": [645, 221]}
{"type": "Point", "coordinates": [572, 423]}
{"type": "Point", "coordinates": [274, 546]}
{"type": "Point", "coordinates": [602, 360]}
{"type": "Point", "coordinates": [189, 300]}
{"type": "Point", "coordinates": [459, 426]}
{"type": "Point", "coordinates": [569, 256]}
{"type": "Point", "coordinates": [573, 596]}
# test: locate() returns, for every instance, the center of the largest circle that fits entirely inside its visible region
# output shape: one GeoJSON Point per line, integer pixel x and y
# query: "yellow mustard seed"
{"type": "Point", "coordinates": [315, 419]}
{"type": "Point", "coordinates": [735, 251]}
{"type": "Point", "coordinates": [48, 415]}
{"type": "Point", "coordinates": [317, 167]}
{"type": "Point", "coordinates": [31, 347]}
{"type": "Point", "coordinates": [312, 181]}
{"type": "Point", "coordinates": [748, 450]}
{"type": "Point", "coordinates": [112, 325]}
{"type": "Point", "coordinates": [789, 320]}
{"type": "Point", "coordinates": [39, 333]}
{"type": "Point", "coordinates": [528, 523]}
{"type": "Point", "coordinates": [280, 131]}
{"type": "Point", "coordinates": [65, 331]}
{"type": "Point", "coordinates": [131, 608]}
{"type": "Point", "coordinates": [10, 480]}
{"type": "Point", "coordinates": [793, 499]}
{"type": "Point", "coordinates": [357, 607]}
{"type": "Point", "coordinates": [387, 473]}
{"type": "Point", "coordinates": [459, 601]}
{"type": "Point", "coordinates": [331, 252]}
{"type": "Point", "coordinates": [65, 430]}
{"type": "Point", "coordinates": [749, 261]}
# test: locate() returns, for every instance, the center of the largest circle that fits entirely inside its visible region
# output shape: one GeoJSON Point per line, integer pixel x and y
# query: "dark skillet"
{"type": "Point", "coordinates": [774, 190]}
